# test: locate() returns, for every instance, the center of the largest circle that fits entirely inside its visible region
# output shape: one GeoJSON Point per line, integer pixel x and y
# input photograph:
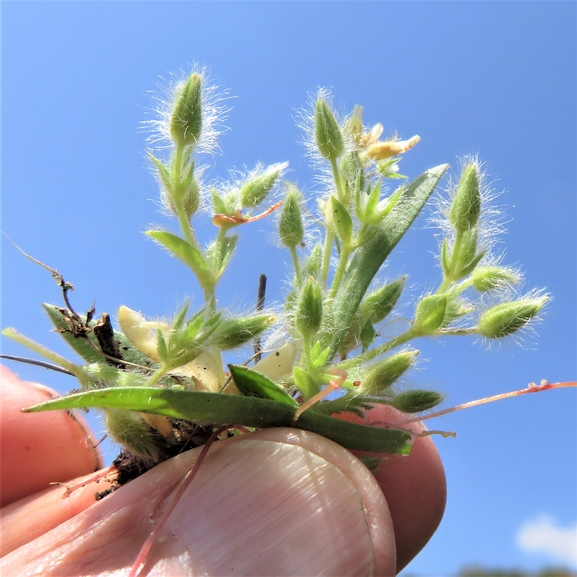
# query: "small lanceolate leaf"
{"type": "Point", "coordinates": [80, 346]}
{"type": "Point", "coordinates": [369, 258]}
{"type": "Point", "coordinates": [186, 253]}
{"type": "Point", "coordinates": [225, 409]}
{"type": "Point", "coordinates": [254, 384]}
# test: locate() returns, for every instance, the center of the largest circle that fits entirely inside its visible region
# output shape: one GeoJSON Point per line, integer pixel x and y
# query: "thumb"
{"type": "Point", "coordinates": [275, 502]}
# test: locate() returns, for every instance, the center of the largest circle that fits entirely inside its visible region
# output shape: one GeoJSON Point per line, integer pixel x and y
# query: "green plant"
{"type": "Point", "coordinates": [148, 376]}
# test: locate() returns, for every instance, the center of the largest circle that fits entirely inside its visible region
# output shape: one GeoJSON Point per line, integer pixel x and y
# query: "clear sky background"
{"type": "Point", "coordinates": [490, 78]}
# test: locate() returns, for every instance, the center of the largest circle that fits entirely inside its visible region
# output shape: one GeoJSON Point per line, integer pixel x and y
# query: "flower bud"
{"type": "Point", "coordinates": [233, 333]}
{"type": "Point", "coordinates": [327, 132]}
{"type": "Point", "coordinates": [290, 225]}
{"type": "Point", "coordinates": [466, 206]}
{"type": "Point", "coordinates": [506, 318]}
{"type": "Point", "coordinates": [355, 123]}
{"type": "Point", "coordinates": [186, 117]}
{"type": "Point", "coordinates": [380, 376]}
{"type": "Point", "coordinates": [430, 315]}
{"type": "Point", "coordinates": [255, 190]}
{"type": "Point", "coordinates": [129, 429]}
{"type": "Point", "coordinates": [309, 309]}
{"type": "Point", "coordinates": [487, 278]}
{"type": "Point", "coordinates": [313, 264]}
{"type": "Point", "coordinates": [416, 401]}
{"type": "Point", "coordinates": [377, 305]}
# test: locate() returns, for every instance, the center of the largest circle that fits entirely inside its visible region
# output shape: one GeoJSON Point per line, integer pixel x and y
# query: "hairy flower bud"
{"type": "Point", "coordinates": [377, 305]}
{"type": "Point", "coordinates": [380, 376]}
{"type": "Point", "coordinates": [232, 333]}
{"type": "Point", "coordinates": [256, 189]}
{"type": "Point", "coordinates": [290, 225]}
{"type": "Point", "coordinates": [430, 315]}
{"type": "Point", "coordinates": [416, 401]}
{"type": "Point", "coordinates": [466, 206]}
{"type": "Point", "coordinates": [506, 318]}
{"type": "Point", "coordinates": [186, 117]}
{"type": "Point", "coordinates": [309, 309]}
{"type": "Point", "coordinates": [487, 278]}
{"type": "Point", "coordinates": [327, 132]}
{"type": "Point", "coordinates": [129, 429]}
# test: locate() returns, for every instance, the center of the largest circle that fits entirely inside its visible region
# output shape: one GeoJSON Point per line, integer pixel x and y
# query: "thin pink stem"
{"type": "Point", "coordinates": [331, 387]}
{"type": "Point", "coordinates": [186, 481]}
{"type": "Point", "coordinates": [94, 479]}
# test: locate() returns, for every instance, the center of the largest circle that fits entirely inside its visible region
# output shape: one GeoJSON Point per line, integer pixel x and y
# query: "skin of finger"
{"type": "Point", "coordinates": [30, 517]}
{"type": "Point", "coordinates": [39, 448]}
{"type": "Point", "coordinates": [415, 485]}
{"type": "Point", "coordinates": [277, 502]}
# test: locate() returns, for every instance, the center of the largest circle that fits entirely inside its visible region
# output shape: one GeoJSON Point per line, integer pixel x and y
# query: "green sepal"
{"type": "Point", "coordinates": [254, 384]}
{"type": "Point", "coordinates": [367, 335]}
{"type": "Point", "coordinates": [445, 258]}
{"type": "Point", "coordinates": [430, 315]}
{"type": "Point", "coordinates": [218, 204]}
{"type": "Point", "coordinates": [472, 265]}
{"type": "Point", "coordinates": [342, 222]}
{"type": "Point", "coordinates": [319, 357]}
{"type": "Point", "coordinates": [304, 383]}
{"type": "Point", "coordinates": [185, 252]}
{"type": "Point", "coordinates": [218, 254]}
{"type": "Point", "coordinates": [163, 172]}
{"type": "Point", "coordinates": [226, 409]}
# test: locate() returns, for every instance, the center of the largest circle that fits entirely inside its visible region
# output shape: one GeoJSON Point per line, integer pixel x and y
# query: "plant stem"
{"type": "Point", "coordinates": [343, 261]}
{"type": "Point", "coordinates": [293, 251]}
{"type": "Point", "coordinates": [161, 372]}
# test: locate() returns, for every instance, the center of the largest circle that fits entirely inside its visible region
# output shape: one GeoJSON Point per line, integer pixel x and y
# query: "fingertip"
{"type": "Point", "coordinates": [39, 448]}
{"type": "Point", "coordinates": [415, 487]}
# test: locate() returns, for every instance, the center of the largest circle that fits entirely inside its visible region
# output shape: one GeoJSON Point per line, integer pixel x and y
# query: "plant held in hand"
{"type": "Point", "coordinates": [164, 385]}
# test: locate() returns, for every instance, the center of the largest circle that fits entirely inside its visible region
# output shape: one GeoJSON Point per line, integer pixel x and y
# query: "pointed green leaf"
{"type": "Point", "coordinates": [226, 409]}
{"type": "Point", "coordinates": [80, 346]}
{"type": "Point", "coordinates": [185, 252]}
{"type": "Point", "coordinates": [369, 258]}
{"type": "Point", "coordinates": [254, 384]}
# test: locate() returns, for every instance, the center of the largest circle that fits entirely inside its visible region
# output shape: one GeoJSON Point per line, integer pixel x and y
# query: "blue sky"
{"type": "Point", "coordinates": [490, 78]}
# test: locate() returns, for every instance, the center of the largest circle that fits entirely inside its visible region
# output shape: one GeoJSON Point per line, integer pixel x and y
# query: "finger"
{"type": "Point", "coordinates": [280, 501]}
{"type": "Point", "coordinates": [39, 448]}
{"type": "Point", "coordinates": [415, 487]}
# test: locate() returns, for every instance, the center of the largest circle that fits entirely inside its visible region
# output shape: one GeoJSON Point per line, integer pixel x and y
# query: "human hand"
{"type": "Point", "coordinates": [274, 502]}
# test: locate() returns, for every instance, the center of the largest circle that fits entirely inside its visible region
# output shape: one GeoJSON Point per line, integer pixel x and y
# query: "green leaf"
{"type": "Point", "coordinates": [304, 383]}
{"type": "Point", "coordinates": [185, 252]}
{"type": "Point", "coordinates": [80, 346]}
{"type": "Point", "coordinates": [254, 384]}
{"type": "Point", "coordinates": [369, 258]}
{"type": "Point", "coordinates": [226, 409]}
